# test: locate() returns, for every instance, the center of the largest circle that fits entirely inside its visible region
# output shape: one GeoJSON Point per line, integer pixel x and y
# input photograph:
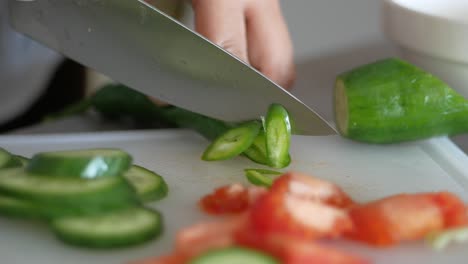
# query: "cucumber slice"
{"type": "Point", "coordinates": [68, 195]}
{"type": "Point", "coordinates": [233, 142]}
{"type": "Point", "coordinates": [7, 160]}
{"type": "Point", "coordinates": [278, 136]}
{"type": "Point", "coordinates": [234, 255]}
{"type": "Point", "coordinates": [23, 160]}
{"type": "Point", "coordinates": [120, 228]}
{"type": "Point", "coordinates": [148, 185]}
{"type": "Point", "coordinates": [391, 101]}
{"type": "Point", "coordinates": [14, 207]}
{"type": "Point", "coordinates": [87, 163]}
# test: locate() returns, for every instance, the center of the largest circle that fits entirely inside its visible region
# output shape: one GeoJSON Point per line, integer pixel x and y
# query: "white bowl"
{"type": "Point", "coordinates": [432, 34]}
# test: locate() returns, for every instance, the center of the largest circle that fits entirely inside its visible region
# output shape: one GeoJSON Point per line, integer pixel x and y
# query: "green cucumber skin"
{"type": "Point", "coordinates": [393, 101]}
{"type": "Point", "coordinates": [234, 255]}
{"type": "Point", "coordinates": [156, 193]}
{"type": "Point", "coordinates": [257, 151]}
{"type": "Point", "coordinates": [20, 208]}
{"type": "Point", "coordinates": [51, 164]}
{"type": "Point", "coordinates": [113, 241]}
{"type": "Point", "coordinates": [119, 195]}
{"type": "Point", "coordinates": [278, 136]}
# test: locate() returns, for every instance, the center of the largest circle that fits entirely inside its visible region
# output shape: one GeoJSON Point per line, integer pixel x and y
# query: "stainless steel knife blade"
{"type": "Point", "coordinates": [138, 45]}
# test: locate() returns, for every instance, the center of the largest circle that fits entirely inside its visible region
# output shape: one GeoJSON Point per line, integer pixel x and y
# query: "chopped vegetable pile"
{"type": "Point", "coordinates": [287, 223]}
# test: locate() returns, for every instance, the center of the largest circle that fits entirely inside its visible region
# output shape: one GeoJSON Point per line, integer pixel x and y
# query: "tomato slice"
{"type": "Point", "coordinates": [284, 213]}
{"type": "Point", "coordinates": [231, 199]}
{"type": "Point", "coordinates": [204, 236]}
{"type": "Point", "coordinates": [404, 217]}
{"type": "Point", "coordinates": [311, 188]}
{"type": "Point", "coordinates": [294, 251]}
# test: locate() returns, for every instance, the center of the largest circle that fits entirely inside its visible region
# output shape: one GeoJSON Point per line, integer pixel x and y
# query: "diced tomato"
{"type": "Point", "coordinates": [284, 213]}
{"type": "Point", "coordinates": [453, 209]}
{"type": "Point", "coordinates": [204, 236]}
{"type": "Point", "coordinates": [403, 217]}
{"type": "Point", "coordinates": [231, 199]}
{"type": "Point", "coordinates": [307, 187]}
{"type": "Point", "coordinates": [166, 259]}
{"type": "Point", "coordinates": [294, 251]}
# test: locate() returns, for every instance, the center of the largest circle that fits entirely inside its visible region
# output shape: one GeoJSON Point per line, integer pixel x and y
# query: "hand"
{"type": "Point", "coordinates": [252, 30]}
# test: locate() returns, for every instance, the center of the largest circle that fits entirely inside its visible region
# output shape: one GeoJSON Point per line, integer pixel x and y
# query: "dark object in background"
{"type": "Point", "coordinates": [66, 87]}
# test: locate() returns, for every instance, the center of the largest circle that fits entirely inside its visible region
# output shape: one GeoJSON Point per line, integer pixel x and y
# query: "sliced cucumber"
{"type": "Point", "coordinates": [120, 228]}
{"type": "Point", "coordinates": [390, 101]}
{"type": "Point", "coordinates": [234, 255]}
{"type": "Point", "coordinates": [86, 163]}
{"type": "Point", "coordinates": [148, 185]}
{"type": "Point", "coordinates": [7, 160]}
{"type": "Point", "coordinates": [68, 195]}
{"type": "Point", "coordinates": [233, 142]}
{"type": "Point", "coordinates": [278, 136]}
{"type": "Point", "coordinates": [14, 207]}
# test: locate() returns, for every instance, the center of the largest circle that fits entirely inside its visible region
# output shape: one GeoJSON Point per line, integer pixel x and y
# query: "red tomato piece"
{"type": "Point", "coordinates": [295, 251]}
{"type": "Point", "coordinates": [231, 199]}
{"type": "Point", "coordinates": [403, 217]}
{"type": "Point", "coordinates": [311, 188]}
{"type": "Point", "coordinates": [204, 236]}
{"type": "Point", "coordinates": [284, 213]}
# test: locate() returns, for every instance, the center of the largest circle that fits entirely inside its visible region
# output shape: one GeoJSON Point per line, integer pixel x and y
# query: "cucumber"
{"type": "Point", "coordinates": [148, 185]}
{"type": "Point", "coordinates": [278, 136]}
{"type": "Point", "coordinates": [391, 101]}
{"type": "Point", "coordinates": [7, 160]}
{"type": "Point", "coordinates": [232, 142]}
{"type": "Point", "coordinates": [68, 195]}
{"type": "Point", "coordinates": [120, 228]}
{"type": "Point", "coordinates": [14, 207]}
{"type": "Point", "coordinates": [234, 255]}
{"type": "Point", "coordinates": [86, 163]}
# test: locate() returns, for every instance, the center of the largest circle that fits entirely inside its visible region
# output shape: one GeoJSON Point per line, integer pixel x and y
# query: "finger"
{"type": "Point", "coordinates": [222, 22]}
{"type": "Point", "coordinates": [269, 45]}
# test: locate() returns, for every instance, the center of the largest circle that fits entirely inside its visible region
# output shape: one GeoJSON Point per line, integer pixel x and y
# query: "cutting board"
{"type": "Point", "coordinates": [364, 171]}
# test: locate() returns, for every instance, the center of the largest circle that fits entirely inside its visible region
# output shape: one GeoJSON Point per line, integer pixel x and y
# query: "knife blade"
{"type": "Point", "coordinates": [138, 45]}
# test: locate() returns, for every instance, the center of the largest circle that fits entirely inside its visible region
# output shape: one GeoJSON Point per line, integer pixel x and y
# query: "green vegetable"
{"type": "Point", "coordinates": [23, 160]}
{"type": "Point", "coordinates": [278, 136]}
{"type": "Point", "coordinates": [67, 195]}
{"type": "Point", "coordinates": [392, 101]}
{"type": "Point", "coordinates": [257, 151]}
{"type": "Point", "coordinates": [14, 207]}
{"type": "Point", "coordinates": [441, 239]}
{"type": "Point", "coordinates": [260, 177]}
{"type": "Point", "coordinates": [234, 255]}
{"type": "Point", "coordinates": [125, 227]}
{"type": "Point", "coordinates": [149, 186]}
{"type": "Point", "coordinates": [7, 160]}
{"type": "Point", "coordinates": [232, 142]}
{"type": "Point", "coordinates": [86, 163]}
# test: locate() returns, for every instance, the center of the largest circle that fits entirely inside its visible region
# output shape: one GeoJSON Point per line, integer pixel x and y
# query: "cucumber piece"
{"type": "Point", "coordinates": [86, 163]}
{"type": "Point", "coordinates": [391, 101]}
{"type": "Point", "coordinates": [258, 179]}
{"type": "Point", "coordinates": [23, 160]}
{"type": "Point", "coordinates": [7, 160]}
{"type": "Point", "coordinates": [232, 142]}
{"type": "Point", "coordinates": [234, 255]}
{"type": "Point", "coordinates": [441, 239]}
{"type": "Point", "coordinates": [68, 195]}
{"type": "Point", "coordinates": [120, 228]}
{"type": "Point", "coordinates": [257, 151]}
{"type": "Point", "coordinates": [14, 207]}
{"type": "Point", "coordinates": [278, 136]}
{"type": "Point", "coordinates": [148, 185]}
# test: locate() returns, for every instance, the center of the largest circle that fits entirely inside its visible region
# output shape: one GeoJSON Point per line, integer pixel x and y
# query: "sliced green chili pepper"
{"type": "Point", "coordinates": [233, 142]}
{"type": "Point", "coordinates": [257, 151]}
{"type": "Point", "coordinates": [278, 136]}
{"type": "Point", "coordinates": [260, 177]}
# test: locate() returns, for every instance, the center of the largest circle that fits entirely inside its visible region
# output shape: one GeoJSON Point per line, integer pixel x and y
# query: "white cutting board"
{"type": "Point", "coordinates": [364, 171]}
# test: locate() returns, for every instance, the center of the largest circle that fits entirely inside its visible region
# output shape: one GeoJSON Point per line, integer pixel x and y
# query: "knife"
{"type": "Point", "coordinates": [138, 45]}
